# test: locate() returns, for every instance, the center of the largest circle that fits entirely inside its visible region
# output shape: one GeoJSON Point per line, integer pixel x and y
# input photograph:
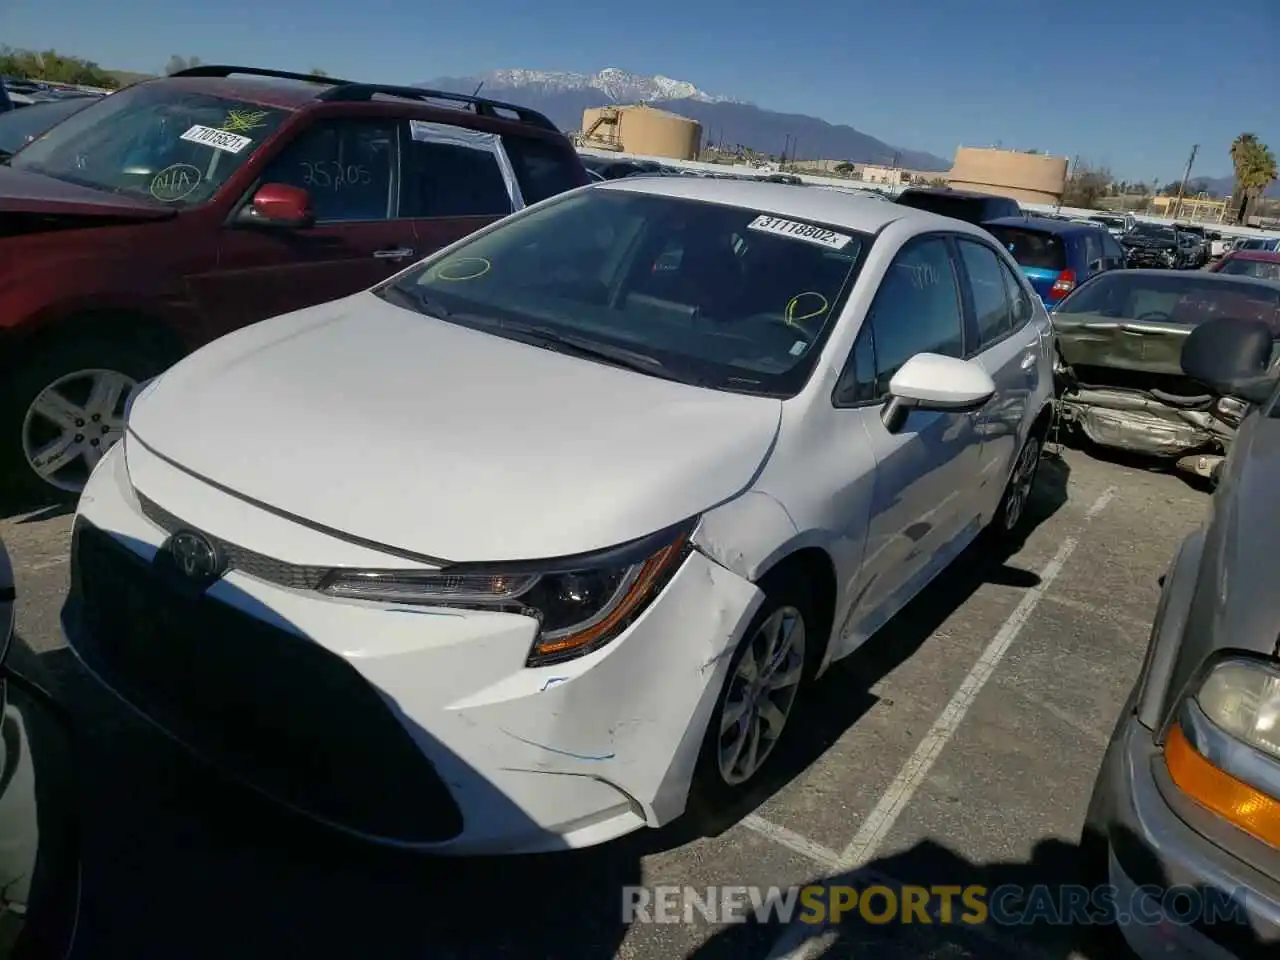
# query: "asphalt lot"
{"type": "Point", "coordinates": [958, 747]}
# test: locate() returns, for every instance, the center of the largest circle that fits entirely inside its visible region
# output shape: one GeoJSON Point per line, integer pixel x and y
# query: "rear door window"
{"type": "Point", "coordinates": [990, 298]}
{"type": "Point", "coordinates": [451, 172]}
{"type": "Point", "coordinates": [543, 169]}
{"type": "Point", "coordinates": [1092, 247]}
{"type": "Point", "coordinates": [1110, 249]}
{"type": "Point", "coordinates": [1032, 248]}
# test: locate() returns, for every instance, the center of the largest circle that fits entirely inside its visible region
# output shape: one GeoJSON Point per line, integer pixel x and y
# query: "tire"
{"type": "Point", "coordinates": [1010, 520]}
{"type": "Point", "coordinates": [120, 361]}
{"type": "Point", "coordinates": [787, 597]}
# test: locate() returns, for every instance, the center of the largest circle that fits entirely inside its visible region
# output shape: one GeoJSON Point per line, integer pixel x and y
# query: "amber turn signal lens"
{"type": "Point", "coordinates": [1244, 806]}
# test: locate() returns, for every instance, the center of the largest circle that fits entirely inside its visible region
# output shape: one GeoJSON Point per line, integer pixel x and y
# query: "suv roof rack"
{"type": "Point", "coordinates": [483, 106]}
{"type": "Point", "coordinates": [223, 70]}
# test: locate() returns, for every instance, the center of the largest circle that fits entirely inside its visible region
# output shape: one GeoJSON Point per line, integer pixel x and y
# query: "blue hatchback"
{"type": "Point", "coordinates": [1057, 255]}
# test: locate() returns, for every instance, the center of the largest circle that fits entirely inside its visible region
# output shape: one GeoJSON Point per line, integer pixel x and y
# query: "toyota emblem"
{"type": "Point", "coordinates": [195, 555]}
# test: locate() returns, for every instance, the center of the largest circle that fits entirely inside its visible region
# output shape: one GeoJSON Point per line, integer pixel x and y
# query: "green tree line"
{"type": "Point", "coordinates": [54, 67]}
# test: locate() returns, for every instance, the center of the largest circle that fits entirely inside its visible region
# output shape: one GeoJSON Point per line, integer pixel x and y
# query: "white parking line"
{"type": "Point", "coordinates": [824, 857]}
{"type": "Point", "coordinates": [801, 941]}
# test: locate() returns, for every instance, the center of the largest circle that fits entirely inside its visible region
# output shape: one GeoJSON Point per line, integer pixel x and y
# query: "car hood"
{"type": "Point", "coordinates": [25, 192]}
{"type": "Point", "coordinates": [1148, 243]}
{"type": "Point", "coordinates": [1249, 606]}
{"type": "Point", "coordinates": [448, 442]}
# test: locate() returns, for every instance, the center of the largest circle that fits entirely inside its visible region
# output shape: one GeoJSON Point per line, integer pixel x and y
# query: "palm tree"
{"type": "Point", "coordinates": [1255, 170]}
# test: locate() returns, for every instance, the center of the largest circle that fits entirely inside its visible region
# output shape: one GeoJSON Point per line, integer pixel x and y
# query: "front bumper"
{"type": "Point", "coordinates": [1153, 849]}
{"type": "Point", "coordinates": [414, 727]}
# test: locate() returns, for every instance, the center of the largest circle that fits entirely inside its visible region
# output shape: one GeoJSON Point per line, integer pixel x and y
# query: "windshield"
{"type": "Point", "coordinates": [153, 140]}
{"type": "Point", "coordinates": [1262, 269]}
{"type": "Point", "coordinates": [1167, 297]}
{"type": "Point", "coordinates": [19, 126]}
{"type": "Point", "coordinates": [1032, 248]}
{"type": "Point", "coordinates": [723, 296]}
{"type": "Point", "coordinates": [1108, 221]}
{"type": "Point", "coordinates": [1153, 231]}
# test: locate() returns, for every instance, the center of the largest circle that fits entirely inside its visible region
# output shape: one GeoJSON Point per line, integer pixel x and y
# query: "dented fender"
{"type": "Point", "coordinates": [747, 535]}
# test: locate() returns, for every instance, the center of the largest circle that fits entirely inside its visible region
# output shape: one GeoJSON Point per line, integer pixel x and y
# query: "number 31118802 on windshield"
{"type": "Point", "coordinates": [332, 175]}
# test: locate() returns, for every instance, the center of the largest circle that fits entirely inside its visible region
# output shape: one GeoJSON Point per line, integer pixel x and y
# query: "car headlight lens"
{"type": "Point", "coordinates": [1224, 750]}
{"type": "Point", "coordinates": [581, 604]}
{"type": "Point", "coordinates": [1244, 700]}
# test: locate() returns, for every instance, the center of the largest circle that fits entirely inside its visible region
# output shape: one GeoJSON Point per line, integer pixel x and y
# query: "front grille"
{"type": "Point", "coordinates": [277, 709]}
{"type": "Point", "coordinates": [255, 564]}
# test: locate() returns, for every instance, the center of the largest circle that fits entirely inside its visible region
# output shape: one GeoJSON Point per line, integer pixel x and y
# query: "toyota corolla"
{"type": "Point", "coordinates": [545, 539]}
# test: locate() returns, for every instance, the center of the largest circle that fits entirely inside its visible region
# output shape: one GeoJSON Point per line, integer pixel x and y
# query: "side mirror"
{"type": "Point", "coordinates": [930, 381]}
{"type": "Point", "coordinates": [1232, 357]}
{"type": "Point", "coordinates": [279, 205]}
{"type": "Point", "coordinates": [1096, 265]}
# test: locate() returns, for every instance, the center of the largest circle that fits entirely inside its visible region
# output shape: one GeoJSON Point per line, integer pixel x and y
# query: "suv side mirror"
{"type": "Point", "coordinates": [279, 205]}
{"type": "Point", "coordinates": [1232, 357]}
{"type": "Point", "coordinates": [930, 381]}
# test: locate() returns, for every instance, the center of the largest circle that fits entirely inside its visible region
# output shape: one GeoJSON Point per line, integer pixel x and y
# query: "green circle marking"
{"type": "Point", "coordinates": [479, 267]}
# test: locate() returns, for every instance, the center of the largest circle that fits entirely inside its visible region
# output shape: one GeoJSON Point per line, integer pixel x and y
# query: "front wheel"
{"type": "Point", "coordinates": [768, 676]}
{"type": "Point", "coordinates": [63, 408]}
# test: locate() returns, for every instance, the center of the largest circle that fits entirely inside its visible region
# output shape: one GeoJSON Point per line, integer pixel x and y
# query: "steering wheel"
{"type": "Point", "coordinates": [1155, 315]}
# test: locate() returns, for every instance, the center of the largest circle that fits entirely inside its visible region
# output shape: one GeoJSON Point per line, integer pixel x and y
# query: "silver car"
{"type": "Point", "coordinates": [1185, 815]}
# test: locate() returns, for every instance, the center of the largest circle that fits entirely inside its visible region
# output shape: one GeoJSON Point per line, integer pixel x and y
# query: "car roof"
{"type": "Point", "coordinates": [1197, 276]}
{"type": "Point", "coordinates": [1265, 256]}
{"type": "Point", "coordinates": [863, 214]}
{"type": "Point", "coordinates": [958, 194]}
{"type": "Point", "coordinates": [1043, 224]}
{"type": "Point", "coordinates": [267, 91]}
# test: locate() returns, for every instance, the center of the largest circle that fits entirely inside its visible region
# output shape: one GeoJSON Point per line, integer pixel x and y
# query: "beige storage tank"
{"type": "Point", "coordinates": [642, 130]}
{"type": "Point", "coordinates": [1028, 177]}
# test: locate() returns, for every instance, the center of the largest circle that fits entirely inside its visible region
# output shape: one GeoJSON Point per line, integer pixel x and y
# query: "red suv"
{"type": "Point", "coordinates": [179, 209]}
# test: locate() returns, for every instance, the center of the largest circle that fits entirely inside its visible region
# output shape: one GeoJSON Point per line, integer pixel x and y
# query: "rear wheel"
{"type": "Point", "coordinates": [62, 408]}
{"type": "Point", "coordinates": [1010, 518]}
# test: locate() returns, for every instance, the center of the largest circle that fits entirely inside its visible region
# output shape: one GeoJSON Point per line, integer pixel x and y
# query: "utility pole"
{"type": "Point", "coordinates": [1182, 187]}
{"type": "Point", "coordinates": [1071, 172]}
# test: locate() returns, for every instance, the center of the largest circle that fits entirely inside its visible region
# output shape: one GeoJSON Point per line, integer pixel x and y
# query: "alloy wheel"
{"type": "Point", "coordinates": [762, 695]}
{"type": "Point", "coordinates": [72, 422]}
{"type": "Point", "coordinates": [1020, 484]}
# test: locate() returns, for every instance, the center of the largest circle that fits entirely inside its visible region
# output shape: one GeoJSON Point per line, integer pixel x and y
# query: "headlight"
{"type": "Point", "coordinates": [580, 603]}
{"type": "Point", "coordinates": [1224, 750]}
{"type": "Point", "coordinates": [1243, 698]}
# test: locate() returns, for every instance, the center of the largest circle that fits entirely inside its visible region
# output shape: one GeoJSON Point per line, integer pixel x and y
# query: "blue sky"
{"type": "Point", "coordinates": [1131, 84]}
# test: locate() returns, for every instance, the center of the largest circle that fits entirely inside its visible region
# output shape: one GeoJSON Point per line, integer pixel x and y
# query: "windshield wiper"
{"type": "Point", "coordinates": [586, 347]}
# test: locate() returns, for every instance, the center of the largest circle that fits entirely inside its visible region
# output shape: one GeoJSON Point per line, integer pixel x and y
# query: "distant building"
{"type": "Point", "coordinates": [641, 130]}
{"type": "Point", "coordinates": [1027, 177]}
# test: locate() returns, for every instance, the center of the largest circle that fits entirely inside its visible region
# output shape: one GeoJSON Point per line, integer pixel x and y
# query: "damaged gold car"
{"type": "Point", "coordinates": [1119, 376]}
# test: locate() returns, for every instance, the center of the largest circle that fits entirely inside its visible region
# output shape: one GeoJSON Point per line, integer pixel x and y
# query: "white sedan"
{"type": "Point", "coordinates": [546, 538]}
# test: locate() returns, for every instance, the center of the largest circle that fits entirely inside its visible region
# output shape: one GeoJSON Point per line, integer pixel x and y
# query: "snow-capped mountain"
{"type": "Point", "coordinates": [563, 96]}
{"type": "Point", "coordinates": [616, 84]}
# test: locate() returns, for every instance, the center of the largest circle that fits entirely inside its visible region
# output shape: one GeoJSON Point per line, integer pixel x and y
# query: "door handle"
{"type": "Point", "coordinates": [397, 254]}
